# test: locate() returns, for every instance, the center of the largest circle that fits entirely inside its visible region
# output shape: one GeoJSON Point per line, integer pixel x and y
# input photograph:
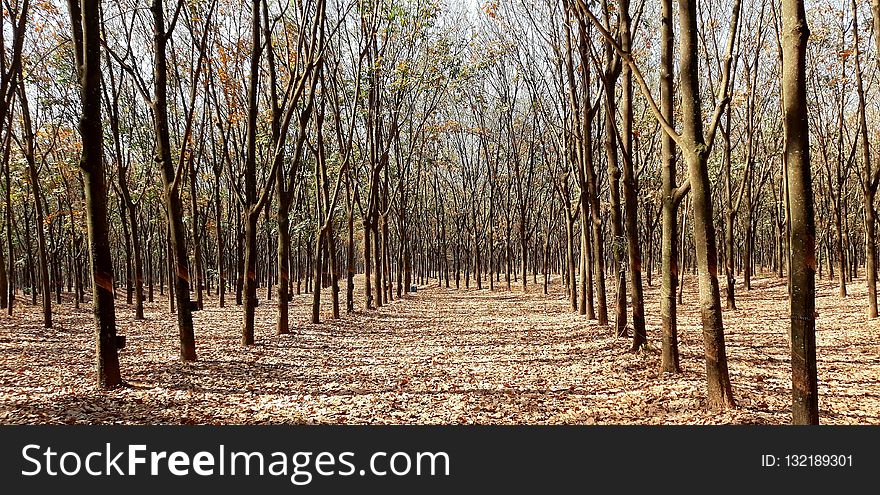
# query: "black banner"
{"type": "Point", "coordinates": [437, 459]}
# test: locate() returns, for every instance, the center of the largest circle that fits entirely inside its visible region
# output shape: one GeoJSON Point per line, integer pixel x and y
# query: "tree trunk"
{"type": "Point", "coordinates": [871, 254]}
{"type": "Point", "coordinates": [630, 191]}
{"type": "Point", "coordinates": [169, 268]}
{"type": "Point", "coordinates": [282, 325]}
{"type": "Point", "coordinates": [805, 404]}
{"type": "Point", "coordinates": [149, 265]}
{"type": "Point", "coordinates": [318, 268]}
{"type": "Point", "coordinates": [720, 392]}
{"type": "Point", "coordinates": [85, 18]}
{"type": "Point", "coordinates": [569, 257]}
{"type": "Point", "coordinates": [377, 272]}
{"type": "Point", "coordinates": [349, 262]}
{"type": "Point", "coordinates": [239, 257]}
{"type": "Point", "coordinates": [611, 75]}
{"type": "Point", "coordinates": [251, 211]}
{"type": "Point", "coordinates": [129, 275]}
{"type": "Point", "coordinates": [250, 277]}
{"type": "Point", "coordinates": [597, 237]}
{"type": "Point", "coordinates": [669, 361]}
{"type": "Point", "coordinates": [729, 219]}
{"type": "Point", "coordinates": [368, 293]}
{"type": "Point", "coordinates": [138, 258]}
{"type": "Point", "coordinates": [221, 251]}
{"type": "Point", "coordinates": [174, 207]}
{"type": "Point", "coordinates": [10, 282]}
{"type": "Point", "coordinates": [197, 244]}
{"type": "Point", "coordinates": [838, 243]}
{"type": "Point", "coordinates": [30, 158]}
{"type": "Point", "coordinates": [29, 266]}
{"type": "Point", "coordinates": [4, 290]}
{"type": "Point", "coordinates": [586, 275]}
{"type": "Point", "coordinates": [334, 270]}
{"type": "Point", "coordinates": [750, 239]}
{"type": "Point", "coordinates": [870, 178]}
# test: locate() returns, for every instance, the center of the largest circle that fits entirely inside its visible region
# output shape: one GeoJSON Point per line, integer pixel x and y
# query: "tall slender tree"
{"type": "Point", "coordinates": [870, 175]}
{"type": "Point", "coordinates": [85, 22]}
{"type": "Point", "coordinates": [805, 403]}
{"type": "Point", "coordinates": [630, 186]}
{"type": "Point", "coordinates": [172, 177]}
{"type": "Point", "coordinates": [30, 155]}
{"type": "Point", "coordinates": [672, 195]}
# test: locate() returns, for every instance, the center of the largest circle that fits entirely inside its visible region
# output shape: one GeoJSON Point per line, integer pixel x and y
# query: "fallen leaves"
{"type": "Point", "coordinates": [441, 356]}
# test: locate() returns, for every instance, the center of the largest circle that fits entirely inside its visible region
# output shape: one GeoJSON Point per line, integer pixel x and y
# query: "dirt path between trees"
{"type": "Point", "coordinates": [440, 356]}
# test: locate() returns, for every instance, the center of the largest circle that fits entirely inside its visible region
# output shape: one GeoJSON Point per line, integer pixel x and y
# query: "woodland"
{"type": "Point", "coordinates": [439, 211]}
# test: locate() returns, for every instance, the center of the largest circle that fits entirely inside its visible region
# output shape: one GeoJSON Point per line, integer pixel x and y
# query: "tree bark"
{"type": "Point", "coordinates": [10, 281]}
{"type": "Point", "coordinates": [249, 296]}
{"type": "Point", "coordinates": [282, 324]}
{"type": "Point", "coordinates": [630, 190]}
{"type": "Point", "coordinates": [720, 392]}
{"type": "Point", "coordinates": [669, 361]}
{"type": "Point", "coordinates": [805, 404]}
{"type": "Point", "coordinates": [174, 207]}
{"type": "Point", "coordinates": [30, 158]}
{"type": "Point", "coordinates": [870, 177]}
{"type": "Point", "coordinates": [611, 75]}
{"type": "Point", "coordinates": [85, 18]}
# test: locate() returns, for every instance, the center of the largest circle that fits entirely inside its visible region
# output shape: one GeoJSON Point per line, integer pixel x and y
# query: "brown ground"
{"type": "Point", "coordinates": [440, 356]}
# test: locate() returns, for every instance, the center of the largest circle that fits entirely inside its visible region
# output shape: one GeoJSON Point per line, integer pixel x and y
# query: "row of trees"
{"type": "Point", "coordinates": [289, 146]}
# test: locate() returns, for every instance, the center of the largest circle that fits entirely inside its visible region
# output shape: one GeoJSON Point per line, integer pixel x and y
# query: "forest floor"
{"type": "Point", "coordinates": [438, 356]}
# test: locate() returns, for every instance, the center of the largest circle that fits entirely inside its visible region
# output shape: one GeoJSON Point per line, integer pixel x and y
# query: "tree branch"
{"type": "Point", "coordinates": [681, 191]}
{"type": "Point", "coordinates": [627, 58]}
{"type": "Point", "coordinates": [725, 77]}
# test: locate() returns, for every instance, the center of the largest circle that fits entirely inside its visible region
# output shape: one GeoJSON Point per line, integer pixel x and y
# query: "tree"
{"type": "Point", "coordinates": [30, 153]}
{"type": "Point", "coordinates": [696, 146]}
{"type": "Point", "coordinates": [805, 403]}
{"type": "Point", "coordinates": [630, 187]}
{"type": "Point", "coordinates": [870, 176]}
{"type": "Point", "coordinates": [172, 177]}
{"type": "Point", "coordinates": [10, 69]}
{"type": "Point", "coordinates": [85, 22]}
{"type": "Point", "coordinates": [672, 195]}
{"type": "Point", "coordinates": [610, 75]}
{"type": "Point", "coordinates": [251, 203]}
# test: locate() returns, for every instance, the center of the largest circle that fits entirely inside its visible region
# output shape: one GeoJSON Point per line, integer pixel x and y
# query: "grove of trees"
{"type": "Point", "coordinates": [211, 152]}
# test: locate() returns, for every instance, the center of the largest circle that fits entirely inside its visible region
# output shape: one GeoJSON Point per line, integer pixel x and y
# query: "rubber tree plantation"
{"type": "Point", "coordinates": [439, 211]}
